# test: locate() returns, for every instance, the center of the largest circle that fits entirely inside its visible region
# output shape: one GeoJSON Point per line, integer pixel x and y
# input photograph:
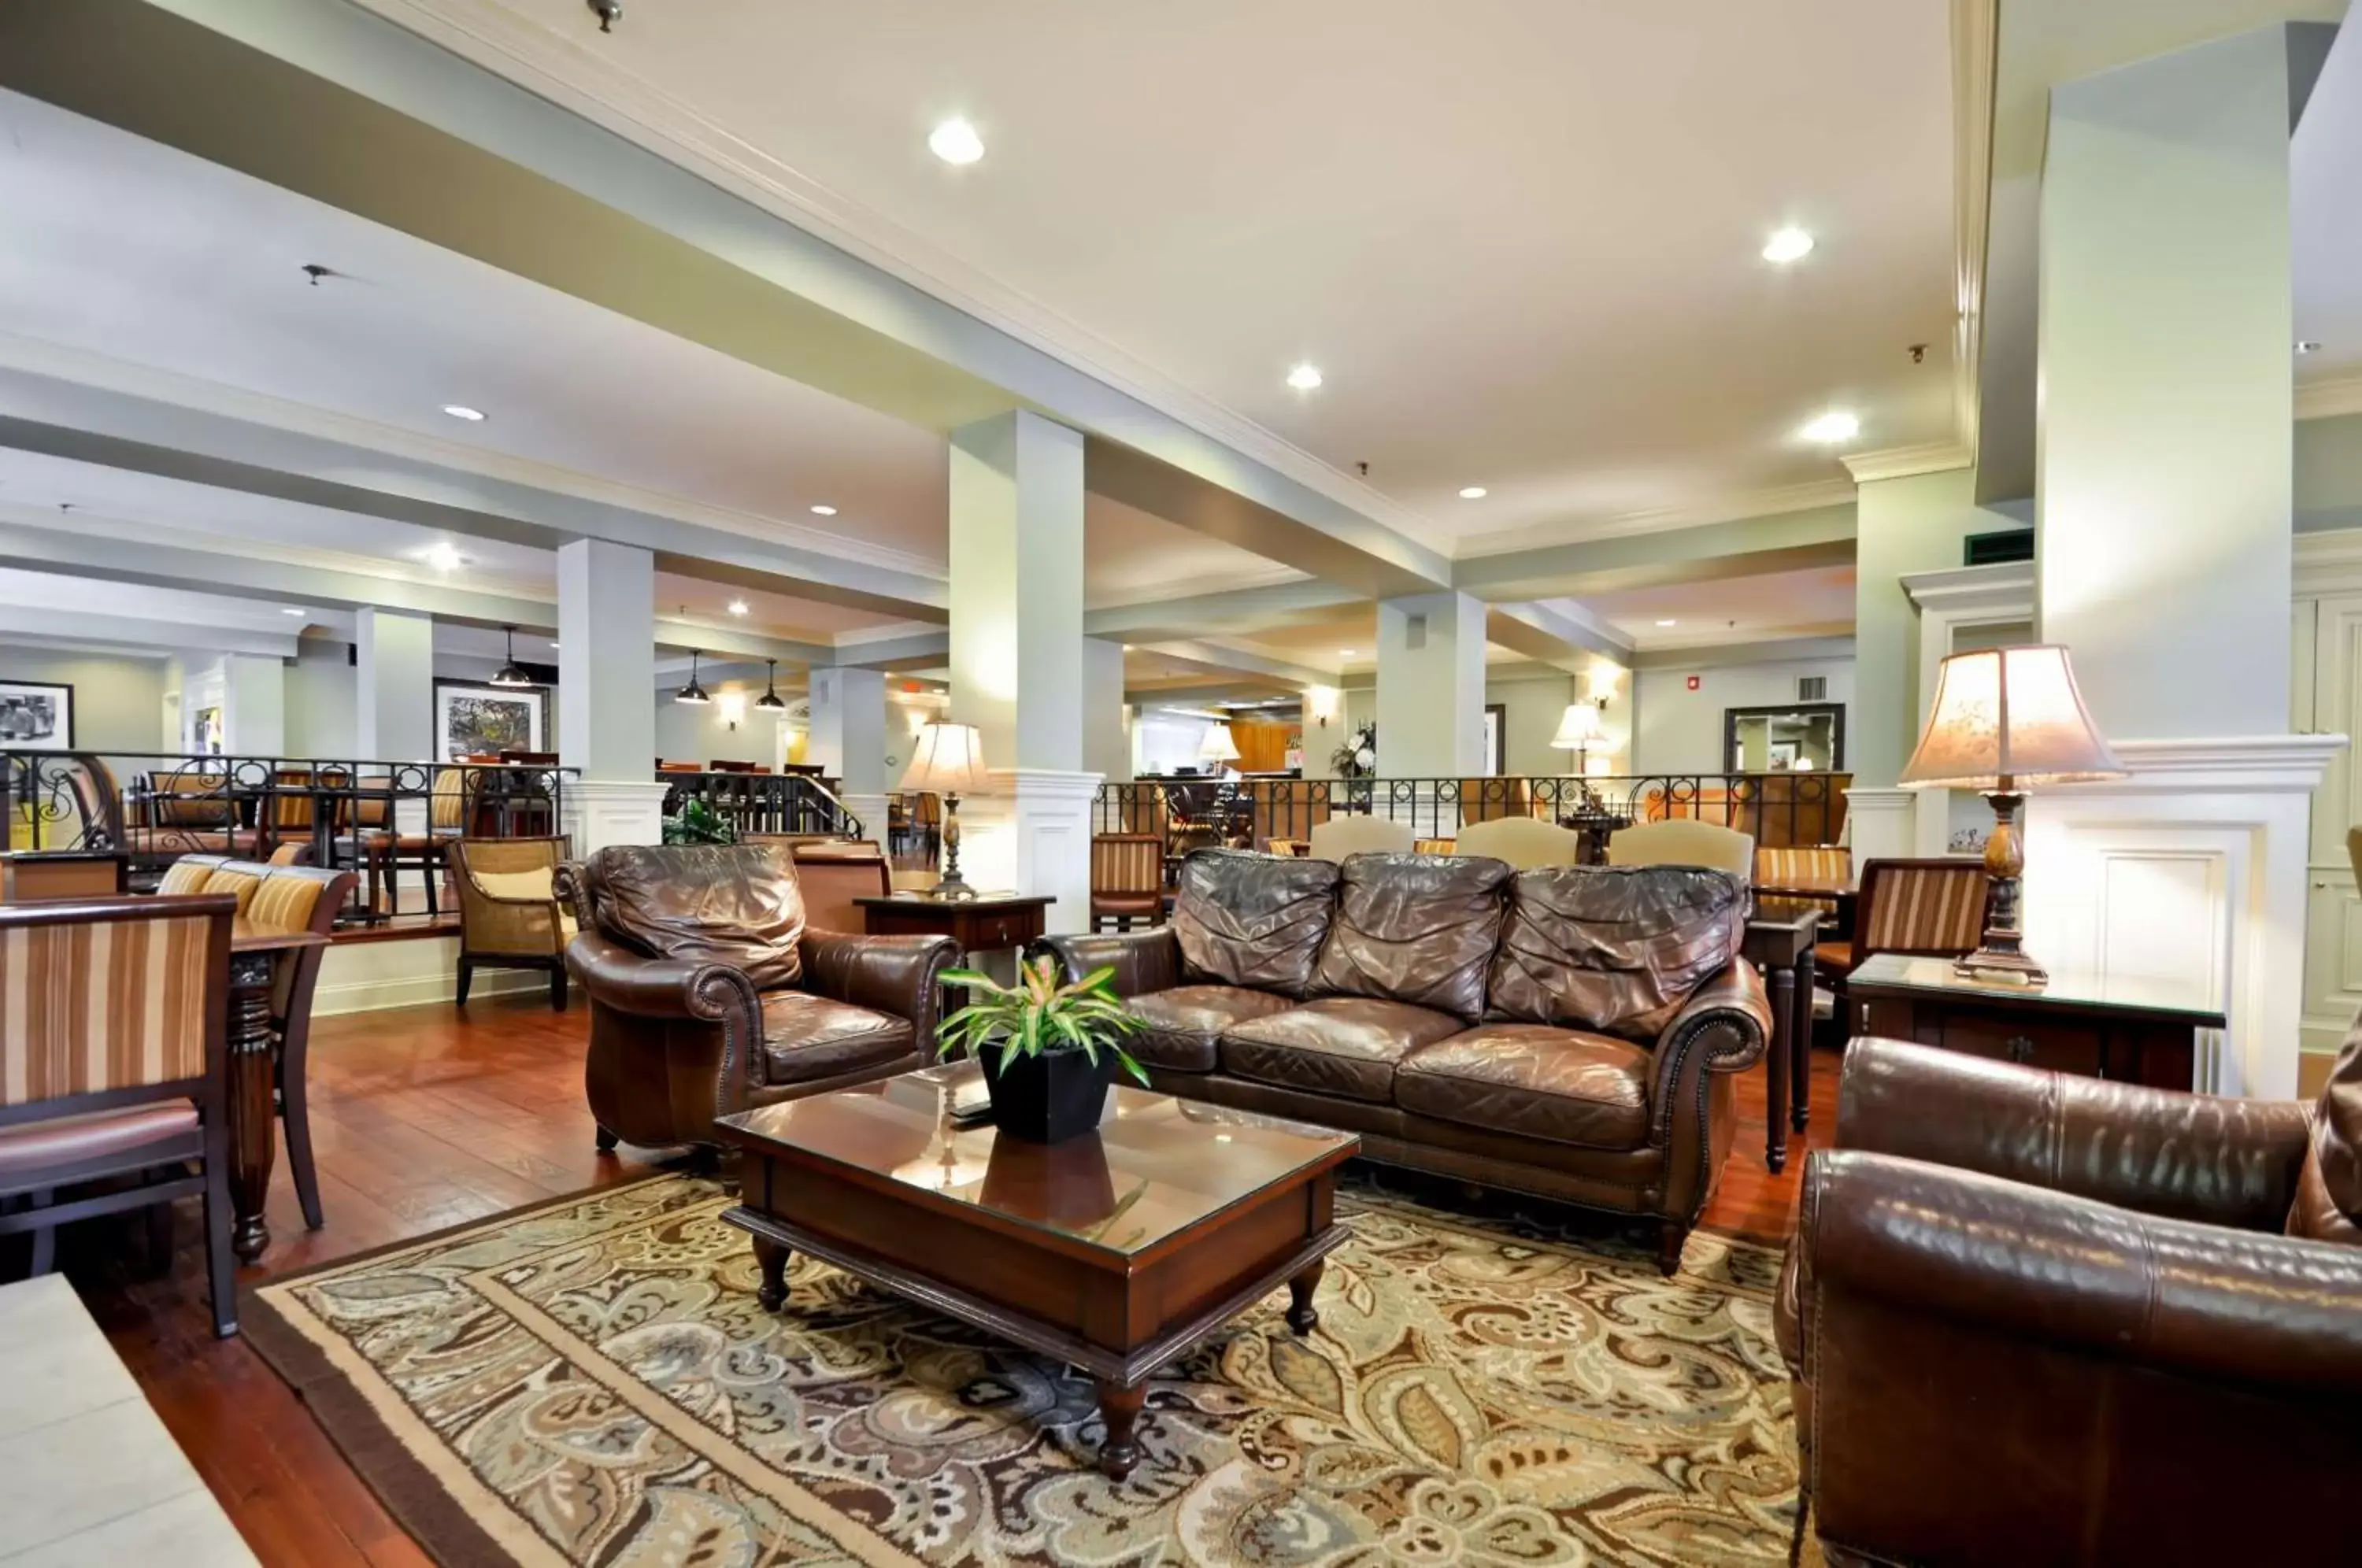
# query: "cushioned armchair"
{"type": "Point", "coordinates": [2038, 1319]}
{"type": "Point", "coordinates": [1571, 1031]}
{"type": "Point", "coordinates": [710, 996]}
{"type": "Point", "coordinates": [510, 914]}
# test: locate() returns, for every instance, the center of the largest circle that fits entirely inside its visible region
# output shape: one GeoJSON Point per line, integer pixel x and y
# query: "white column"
{"type": "Point", "coordinates": [606, 722]}
{"type": "Point", "coordinates": [1107, 720]}
{"type": "Point", "coordinates": [394, 667]}
{"type": "Point", "coordinates": [1017, 655]}
{"type": "Point", "coordinates": [848, 739]}
{"type": "Point", "coordinates": [2163, 505]}
{"type": "Point", "coordinates": [1431, 687]}
{"type": "Point", "coordinates": [254, 705]}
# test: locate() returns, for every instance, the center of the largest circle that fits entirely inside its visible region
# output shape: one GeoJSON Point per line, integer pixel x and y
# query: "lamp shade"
{"type": "Point", "coordinates": [1219, 746]}
{"type": "Point", "coordinates": [2005, 718]}
{"type": "Point", "coordinates": [1579, 727]}
{"type": "Point", "coordinates": [947, 760]}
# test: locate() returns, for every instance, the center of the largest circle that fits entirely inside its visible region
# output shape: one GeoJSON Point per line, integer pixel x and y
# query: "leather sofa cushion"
{"type": "Point", "coordinates": [807, 1037]}
{"type": "Point", "coordinates": [1341, 1045]}
{"type": "Point", "coordinates": [1565, 1086]}
{"type": "Point", "coordinates": [1615, 949]}
{"type": "Point", "coordinates": [1413, 928]}
{"type": "Point", "coordinates": [2328, 1205]}
{"type": "Point", "coordinates": [703, 903]}
{"type": "Point", "coordinates": [1185, 1025]}
{"type": "Point", "coordinates": [1255, 920]}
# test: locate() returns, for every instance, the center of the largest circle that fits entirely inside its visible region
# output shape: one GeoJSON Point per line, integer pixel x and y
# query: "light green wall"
{"type": "Point", "coordinates": [686, 733]}
{"type": "Point", "coordinates": [323, 690]}
{"type": "Point", "coordinates": [2329, 473]}
{"type": "Point", "coordinates": [118, 703]}
{"type": "Point", "coordinates": [1680, 731]}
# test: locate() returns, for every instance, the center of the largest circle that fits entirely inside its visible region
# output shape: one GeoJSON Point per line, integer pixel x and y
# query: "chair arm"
{"type": "Point", "coordinates": [2190, 1156]}
{"type": "Point", "coordinates": [571, 887]}
{"type": "Point", "coordinates": [1144, 961]}
{"type": "Point", "coordinates": [1726, 1024]}
{"type": "Point", "coordinates": [663, 988]}
{"type": "Point", "coordinates": [896, 975]}
{"type": "Point", "coordinates": [2051, 1269]}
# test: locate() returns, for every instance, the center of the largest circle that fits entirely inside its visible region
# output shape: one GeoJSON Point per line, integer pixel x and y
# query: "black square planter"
{"type": "Point", "coordinates": [1049, 1097]}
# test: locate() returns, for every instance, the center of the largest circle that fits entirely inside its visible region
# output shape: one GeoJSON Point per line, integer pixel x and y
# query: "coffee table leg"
{"type": "Point", "coordinates": [772, 1259]}
{"type": "Point", "coordinates": [1119, 1408]}
{"type": "Point", "coordinates": [1301, 1315]}
{"type": "Point", "coordinates": [1779, 1066]}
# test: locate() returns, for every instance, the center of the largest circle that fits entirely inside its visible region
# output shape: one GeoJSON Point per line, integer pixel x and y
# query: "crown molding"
{"type": "Point", "coordinates": [1769, 503]}
{"type": "Point", "coordinates": [1902, 463]}
{"type": "Point", "coordinates": [1274, 576]}
{"type": "Point", "coordinates": [595, 87]}
{"type": "Point", "coordinates": [39, 357]}
{"type": "Point", "coordinates": [2327, 400]}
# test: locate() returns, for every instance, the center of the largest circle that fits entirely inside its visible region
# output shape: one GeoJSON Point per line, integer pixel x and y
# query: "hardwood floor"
{"type": "Point", "coordinates": [427, 1118]}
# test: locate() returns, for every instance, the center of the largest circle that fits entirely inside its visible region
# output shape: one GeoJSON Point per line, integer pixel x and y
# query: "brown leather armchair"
{"type": "Point", "coordinates": [2040, 1318]}
{"type": "Point", "coordinates": [710, 996]}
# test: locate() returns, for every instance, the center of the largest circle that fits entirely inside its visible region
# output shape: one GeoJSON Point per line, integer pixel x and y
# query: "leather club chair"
{"type": "Point", "coordinates": [710, 995]}
{"type": "Point", "coordinates": [2040, 1319]}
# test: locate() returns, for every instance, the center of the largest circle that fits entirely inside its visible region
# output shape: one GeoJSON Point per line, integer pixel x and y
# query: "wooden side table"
{"type": "Point", "coordinates": [2134, 1031]}
{"type": "Point", "coordinates": [1780, 943]}
{"type": "Point", "coordinates": [987, 923]}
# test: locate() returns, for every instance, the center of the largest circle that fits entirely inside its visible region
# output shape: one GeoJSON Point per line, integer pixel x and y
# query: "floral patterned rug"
{"type": "Point", "coordinates": [594, 1382]}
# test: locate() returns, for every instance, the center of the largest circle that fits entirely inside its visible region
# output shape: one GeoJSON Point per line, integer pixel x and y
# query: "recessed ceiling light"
{"type": "Point", "coordinates": [1304, 377]}
{"type": "Point", "coordinates": [1836, 425]}
{"type": "Point", "coordinates": [1344, 653]}
{"type": "Point", "coordinates": [1790, 244]}
{"type": "Point", "coordinates": [737, 607]}
{"type": "Point", "coordinates": [1127, 647]}
{"type": "Point", "coordinates": [444, 557]}
{"type": "Point", "coordinates": [461, 411]}
{"type": "Point", "coordinates": [1665, 623]}
{"type": "Point", "coordinates": [2308, 346]}
{"type": "Point", "coordinates": [553, 642]}
{"type": "Point", "coordinates": [955, 141]}
{"type": "Point", "coordinates": [1472, 493]}
{"type": "Point", "coordinates": [823, 511]}
{"type": "Point", "coordinates": [294, 612]}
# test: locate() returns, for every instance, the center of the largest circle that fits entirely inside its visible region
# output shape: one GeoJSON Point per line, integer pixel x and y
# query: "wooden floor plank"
{"type": "Point", "coordinates": [425, 1118]}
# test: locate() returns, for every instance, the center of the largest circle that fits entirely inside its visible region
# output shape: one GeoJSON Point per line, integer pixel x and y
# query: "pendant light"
{"type": "Point", "coordinates": [692, 693]}
{"type": "Point", "coordinates": [511, 673]}
{"type": "Point", "coordinates": [769, 700]}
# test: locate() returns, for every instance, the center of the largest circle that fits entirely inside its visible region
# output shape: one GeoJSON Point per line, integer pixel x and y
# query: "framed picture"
{"type": "Point", "coordinates": [478, 721]}
{"type": "Point", "coordinates": [36, 715]}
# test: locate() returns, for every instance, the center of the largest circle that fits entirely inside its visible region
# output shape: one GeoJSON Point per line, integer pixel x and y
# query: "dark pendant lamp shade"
{"type": "Point", "coordinates": [692, 693]}
{"type": "Point", "coordinates": [511, 673]}
{"type": "Point", "coordinates": [769, 700]}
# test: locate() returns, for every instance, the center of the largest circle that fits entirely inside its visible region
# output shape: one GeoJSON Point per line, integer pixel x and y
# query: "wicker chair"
{"type": "Point", "coordinates": [510, 915]}
{"type": "Point", "coordinates": [1127, 879]}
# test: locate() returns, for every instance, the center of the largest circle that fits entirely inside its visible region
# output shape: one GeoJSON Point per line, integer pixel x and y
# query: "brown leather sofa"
{"type": "Point", "coordinates": [2041, 1318]}
{"type": "Point", "coordinates": [709, 995]}
{"type": "Point", "coordinates": [1571, 1031]}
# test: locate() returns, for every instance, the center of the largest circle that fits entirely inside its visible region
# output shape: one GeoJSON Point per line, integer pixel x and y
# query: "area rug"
{"type": "Point", "coordinates": [594, 1382]}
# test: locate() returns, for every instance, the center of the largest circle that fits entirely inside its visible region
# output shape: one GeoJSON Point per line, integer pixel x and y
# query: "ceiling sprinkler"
{"type": "Point", "coordinates": [608, 13]}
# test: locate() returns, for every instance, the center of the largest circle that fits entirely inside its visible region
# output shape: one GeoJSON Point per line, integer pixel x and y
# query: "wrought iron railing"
{"type": "Point", "coordinates": [762, 802]}
{"type": "Point", "coordinates": [157, 806]}
{"type": "Point", "coordinates": [1778, 810]}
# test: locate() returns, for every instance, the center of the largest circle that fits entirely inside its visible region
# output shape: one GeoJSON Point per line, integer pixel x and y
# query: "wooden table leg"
{"type": "Point", "coordinates": [1779, 1063]}
{"type": "Point", "coordinates": [253, 1111]}
{"type": "Point", "coordinates": [1302, 1316]}
{"type": "Point", "coordinates": [772, 1259]}
{"type": "Point", "coordinates": [1801, 1076]}
{"type": "Point", "coordinates": [1119, 1408]}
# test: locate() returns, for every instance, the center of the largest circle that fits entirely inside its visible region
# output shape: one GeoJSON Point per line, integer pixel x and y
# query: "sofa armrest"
{"type": "Point", "coordinates": [2187, 1157]}
{"type": "Point", "coordinates": [896, 975]}
{"type": "Point", "coordinates": [632, 982]}
{"type": "Point", "coordinates": [1725, 1025]}
{"type": "Point", "coordinates": [2055, 1270]}
{"type": "Point", "coordinates": [1144, 961]}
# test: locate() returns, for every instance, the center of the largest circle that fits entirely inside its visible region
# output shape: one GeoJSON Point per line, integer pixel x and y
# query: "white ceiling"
{"type": "Point", "coordinates": [1733, 610]}
{"type": "Point", "coordinates": [1520, 239]}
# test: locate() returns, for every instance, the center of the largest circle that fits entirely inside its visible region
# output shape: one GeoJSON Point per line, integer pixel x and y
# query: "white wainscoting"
{"type": "Point", "coordinates": [600, 812]}
{"type": "Point", "coordinates": [1033, 835]}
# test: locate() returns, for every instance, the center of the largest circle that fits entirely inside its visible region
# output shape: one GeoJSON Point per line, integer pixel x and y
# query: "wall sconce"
{"type": "Point", "coordinates": [1321, 703]}
{"type": "Point", "coordinates": [1602, 679]}
{"type": "Point", "coordinates": [733, 707]}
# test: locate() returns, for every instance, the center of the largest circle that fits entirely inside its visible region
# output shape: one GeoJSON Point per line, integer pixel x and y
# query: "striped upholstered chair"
{"type": "Point", "coordinates": [1127, 879]}
{"type": "Point", "coordinates": [1928, 908]}
{"type": "Point", "coordinates": [1785, 867]}
{"type": "Point", "coordinates": [114, 1040]}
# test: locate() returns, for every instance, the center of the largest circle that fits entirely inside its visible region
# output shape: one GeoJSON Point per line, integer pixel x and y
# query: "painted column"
{"type": "Point", "coordinates": [848, 739]}
{"type": "Point", "coordinates": [254, 705]}
{"type": "Point", "coordinates": [1107, 719]}
{"type": "Point", "coordinates": [1431, 687]}
{"type": "Point", "coordinates": [606, 720]}
{"type": "Point", "coordinates": [2163, 509]}
{"type": "Point", "coordinates": [394, 684]}
{"type": "Point", "coordinates": [1017, 655]}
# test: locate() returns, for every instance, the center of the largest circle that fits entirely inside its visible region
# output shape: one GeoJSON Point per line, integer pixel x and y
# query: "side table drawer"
{"type": "Point", "coordinates": [1012, 930]}
{"type": "Point", "coordinates": [1998, 1033]}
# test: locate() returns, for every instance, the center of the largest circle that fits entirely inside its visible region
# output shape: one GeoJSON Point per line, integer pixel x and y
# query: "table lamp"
{"type": "Point", "coordinates": [1577, 728]}
{"type": "Point", "coordinates": [948, 758]}
{"type": "Point", "coordinates": [2005, 718]}
{"type": "Point", "coordinates": [1221, 747]}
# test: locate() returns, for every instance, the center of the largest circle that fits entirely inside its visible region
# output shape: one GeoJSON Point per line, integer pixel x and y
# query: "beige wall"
{"type": "Point", "coordinates": [118, 703]}
{"type": "Point", "coordinates": [1680, 731]}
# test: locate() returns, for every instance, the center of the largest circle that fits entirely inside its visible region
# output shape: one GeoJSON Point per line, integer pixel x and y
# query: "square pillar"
{"type": "Point", "coordinates": [606, 720]}
{"type": "Point", "coordinates": [849, 738]}
{"type": "Point", "coordinates": [254, 705]}
{"type": "Point", "coordinates": [1107, 719]}
{"type": "Point", "coordinates": [395, 664]}
{"type": "Point", "coordinates": [1431, 687]}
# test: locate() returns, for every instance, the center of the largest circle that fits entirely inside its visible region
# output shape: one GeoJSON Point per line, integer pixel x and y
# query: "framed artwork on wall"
{"type": "Point", "coordinates": [480, 721]}
{"type": "Point", "coordinates": [36, 715]}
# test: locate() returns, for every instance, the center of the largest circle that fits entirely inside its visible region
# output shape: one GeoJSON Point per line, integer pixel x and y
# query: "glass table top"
{"type": "Point", "coordinates": [1156, 1165]}
{"type": "Point", "coordinates": [2133, 993]}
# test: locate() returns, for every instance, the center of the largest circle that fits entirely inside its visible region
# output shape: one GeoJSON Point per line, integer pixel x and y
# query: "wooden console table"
{"type": "Point", "coordinates": [2129, 1030]}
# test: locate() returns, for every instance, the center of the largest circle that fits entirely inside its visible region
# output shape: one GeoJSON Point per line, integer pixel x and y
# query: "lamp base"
{"type": "Point", "coordinates": [952, 888]}
{"type": "Point", "coordinates": [2001, 958]}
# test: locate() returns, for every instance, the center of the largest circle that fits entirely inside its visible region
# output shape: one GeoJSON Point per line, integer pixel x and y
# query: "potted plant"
{"type": "Point", "coordinates": [1048, 1051]}
{"type": "Point", "coordinates": [698, 822]}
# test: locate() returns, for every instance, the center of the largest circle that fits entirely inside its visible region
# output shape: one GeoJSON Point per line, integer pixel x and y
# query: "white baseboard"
{"type": "Point", "coordinates": [367, 977]}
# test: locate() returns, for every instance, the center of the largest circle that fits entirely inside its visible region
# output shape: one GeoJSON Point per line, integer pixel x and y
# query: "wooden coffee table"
{"type": "Point", "coordinates": [1115, 1252]}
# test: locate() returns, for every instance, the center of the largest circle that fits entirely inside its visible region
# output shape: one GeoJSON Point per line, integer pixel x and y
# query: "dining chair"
{"type": "Point", "coordinates": [1434, 845]}
{"type": "Point", "coordinates": [1127, 879]}
{"type": "Point", "coordinates": [1787, 866]}
{"type": "Point", "coordinates": [1526, 842]}
{"type": "Point", "coordinates": [114, 1069]}
{"type": "Point", "coordinates": [1932, 908]}
{"type": "Point", "coordinates": [1296, 848]}
{"type": "Point", "coordinates": [1340, 837]}
{"type": "Point", "coordinates": [1683, 840]}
